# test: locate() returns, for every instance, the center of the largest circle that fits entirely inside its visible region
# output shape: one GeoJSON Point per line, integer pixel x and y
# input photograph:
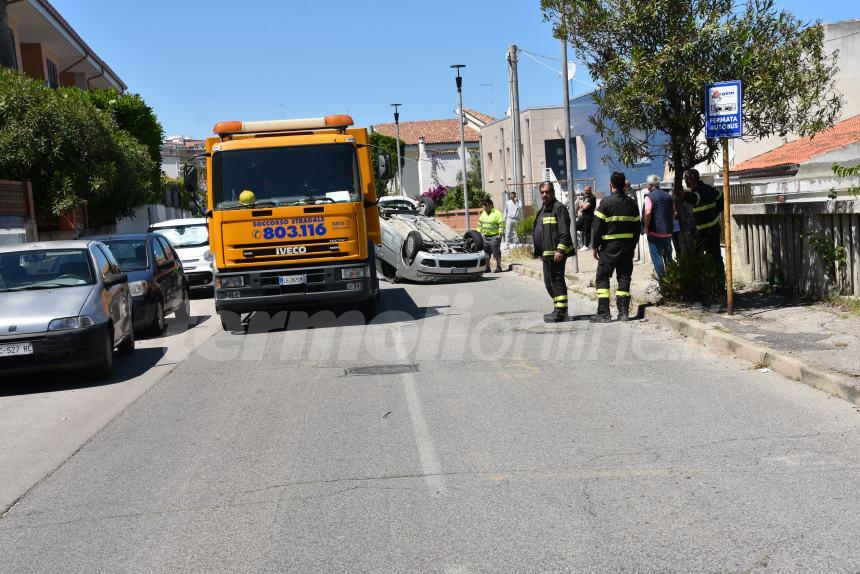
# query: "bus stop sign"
{"type": "Point", "coordinates": [723, 105]}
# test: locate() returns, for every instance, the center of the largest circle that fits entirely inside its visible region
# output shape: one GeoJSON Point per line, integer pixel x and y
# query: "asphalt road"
{"type": "Point", "coordinates": [482, 440]}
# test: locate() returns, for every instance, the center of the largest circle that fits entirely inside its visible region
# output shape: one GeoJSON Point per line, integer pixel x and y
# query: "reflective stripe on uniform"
{"type": "Point", "coordinates": [560, 298]}
{"type": "Point", "coordinates": [598, 214]}
{"type": "Point", "coordinates": [622, 293]}
{"type": "Point", "coordinates": [547, 220]}
{"type": "Point", "coordinates": [711, 224]}
{"type": "Point", "coordinates": [704, 207]}
{"type": "Point", "coordinates": [548, 253]}
{"type": "Point", "coordinates": [563, 248]}
{"type": "Point", "coordinates": [618, 236]}
{"type": "Point", "coordinates": [603, 293]}
{"type": "Point", "coordinates": [561, 305]}
{"type": "Point", "coordinates": [633, 218]}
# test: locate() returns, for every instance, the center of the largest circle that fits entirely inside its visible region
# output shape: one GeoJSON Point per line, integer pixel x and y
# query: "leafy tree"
{"type": "Point", "coordinates": [653, 58]}
{"type": "Point", "coordinates": [7, 49]}
{"type": "Point", "coordinates": [135, 117]}
{"type": "Point", "coordinates": [381, 144]}
{"type": "Point", "coordinates": [72, 152]}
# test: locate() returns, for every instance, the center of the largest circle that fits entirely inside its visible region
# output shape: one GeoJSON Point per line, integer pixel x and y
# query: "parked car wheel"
{"type": "Point", "coordinates": [126, 348]}
{"type": "Point", "coordinates": [474, 241]}
{"type": "Point", "coordinates": [183, 312]}
{"type": "Point", "coordinates": [156, 327]}
{"type": "Point", "coordinates": [104, 369]}
{"type": "Point", "coordinates": [413, 244]}
{"type": "Point", "coordinates": [426, 206]}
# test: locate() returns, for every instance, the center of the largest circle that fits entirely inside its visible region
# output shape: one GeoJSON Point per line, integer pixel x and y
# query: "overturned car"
{"type": "Point", "coordinates": [418, 247]}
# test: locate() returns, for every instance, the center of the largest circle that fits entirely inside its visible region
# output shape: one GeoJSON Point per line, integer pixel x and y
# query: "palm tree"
{"type": "Point", "coordinates": [7, 50]}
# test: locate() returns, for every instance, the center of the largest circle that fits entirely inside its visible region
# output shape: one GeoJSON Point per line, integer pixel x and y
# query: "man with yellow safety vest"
{"type": "Point", "coordinates": [491, 224]}
{"type": "Point", "coordinates": [552, 243]}
{"type": "Point", "coordinates": [613, 242]}
{"type": "Point", "coordinates": [707, 205]}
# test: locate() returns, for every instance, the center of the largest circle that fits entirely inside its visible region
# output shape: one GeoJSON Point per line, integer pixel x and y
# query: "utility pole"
{"type": "Point", "coordinates": [516, 147]}
{"type": "Point", "coordinates": [399, 165]}
{"type": "Point", "coordinates": [571, 204]}
{"type": "Point", "coordinates": [461, 114]}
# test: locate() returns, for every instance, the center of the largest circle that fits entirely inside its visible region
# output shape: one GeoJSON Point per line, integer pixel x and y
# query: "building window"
{"type": "Point", "coordinates": [14, 50]}
{"type": "Point", "coordinates": [489, 169]}
{"type": "Point", "coordinates": [53, 76]}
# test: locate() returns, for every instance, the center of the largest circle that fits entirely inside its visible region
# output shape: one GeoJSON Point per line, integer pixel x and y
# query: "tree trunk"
{"type": "Point", "coordinates": [7, 50]}
{"type": "Point", "coordinates": [680, 206]}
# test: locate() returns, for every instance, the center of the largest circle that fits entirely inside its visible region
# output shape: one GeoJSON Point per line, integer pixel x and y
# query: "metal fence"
{"type": "Point", "coordinates": [812, 247]}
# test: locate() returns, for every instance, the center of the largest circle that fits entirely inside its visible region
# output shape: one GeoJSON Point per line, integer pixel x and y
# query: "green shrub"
{"type": "Point", "coordinates": [526, 227]}
{"type": "Point", "coordinates": [693, 278]}
{"type": "Point", "coordinates": [454, 198]}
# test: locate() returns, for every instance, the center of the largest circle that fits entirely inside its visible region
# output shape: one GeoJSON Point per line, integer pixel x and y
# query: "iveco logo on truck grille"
{"type": "Point", "coordinates": [297, 250]}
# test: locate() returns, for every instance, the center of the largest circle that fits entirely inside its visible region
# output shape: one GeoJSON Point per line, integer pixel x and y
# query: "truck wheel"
{"type": "Point", "coordinates": [368, 308]}
{"type": "Point", "coordinates": [474, 241]}
{"type": "Point", "coordinates": [426, 206]}
{"type": "Point", "coordinates": [413, 244]}
{"type": "Point", "coordinates": [230, 320]}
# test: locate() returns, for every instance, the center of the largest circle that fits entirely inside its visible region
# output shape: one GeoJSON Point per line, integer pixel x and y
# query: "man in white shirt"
{"type": "Point", "coordinates": [513, 215]}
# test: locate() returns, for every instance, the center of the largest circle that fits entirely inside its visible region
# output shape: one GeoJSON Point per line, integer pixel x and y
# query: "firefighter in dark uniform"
{"type": "Point", "coordinates": [552, 243]}
{"type": "Point", "coordinates": [613, 242]}
{"type": "Point", "coordinates": [707, 205]}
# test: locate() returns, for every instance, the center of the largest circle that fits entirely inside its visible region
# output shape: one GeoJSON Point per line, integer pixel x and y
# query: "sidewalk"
{"type": "Point", "coordinates": [811, 342]}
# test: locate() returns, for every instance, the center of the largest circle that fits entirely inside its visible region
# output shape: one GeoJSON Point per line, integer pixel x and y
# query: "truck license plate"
{"type": "Point", "coordinates": [16, 349]}
{"type": "Point", "coordinates": [291, 280]}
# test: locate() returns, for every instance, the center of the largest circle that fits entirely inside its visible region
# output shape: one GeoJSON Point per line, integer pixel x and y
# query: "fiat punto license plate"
{"type": "Point", "coordinates": [16, 349]}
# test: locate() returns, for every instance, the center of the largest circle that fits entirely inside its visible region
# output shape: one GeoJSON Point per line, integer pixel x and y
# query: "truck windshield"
{"type": "Point", "coordinates": [297, 175]}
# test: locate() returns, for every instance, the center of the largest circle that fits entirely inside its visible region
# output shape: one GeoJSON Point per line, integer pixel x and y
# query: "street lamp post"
{"type": "Point", "coordinates": [399, 165]}
{"type": "Point", "coordinates": [460, 112]}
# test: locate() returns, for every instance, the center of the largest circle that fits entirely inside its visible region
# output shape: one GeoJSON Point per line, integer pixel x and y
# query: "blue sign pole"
{"type": "Point", "coordinates": [724, 120]}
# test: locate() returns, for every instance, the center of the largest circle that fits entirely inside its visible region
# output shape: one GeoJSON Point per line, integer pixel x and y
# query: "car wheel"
{"type": "Point", "coordinates": [183, 312]}
{"type": "Point", "coordinates": [413, 244]}
{"type": "Point", "coordinates": [156, 327]}
{"type": "Point", "coordinates": [126, 348]}
{"type": "Point", "coordinates": [474, 241]}
{"type": "Point", "coordinates": [426, 206]}
{"type": "Point", "coordinates": [104, 369]}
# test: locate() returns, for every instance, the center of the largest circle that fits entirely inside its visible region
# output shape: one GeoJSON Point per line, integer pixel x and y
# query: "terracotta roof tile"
{"type": "Point", "coordinates": [844, 133]}
{"type": "Point", "coordinates": [433, 131]}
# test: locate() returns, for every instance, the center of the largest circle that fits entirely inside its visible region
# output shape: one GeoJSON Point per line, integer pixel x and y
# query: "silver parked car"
{"type": "Point", "coordinates": [63, 304]}
{"type": "Point", "coordinates": [419, 247]}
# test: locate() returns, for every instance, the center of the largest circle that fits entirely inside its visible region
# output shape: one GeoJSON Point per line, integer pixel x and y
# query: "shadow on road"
{"type": "Point", "coordinates": [124, 369]}
{"type": "Point", "coordinates": [395, 306]}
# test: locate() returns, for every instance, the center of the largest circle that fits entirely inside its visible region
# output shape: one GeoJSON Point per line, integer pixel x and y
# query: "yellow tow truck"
{"type": "Point", "coordinates": [293, 217]}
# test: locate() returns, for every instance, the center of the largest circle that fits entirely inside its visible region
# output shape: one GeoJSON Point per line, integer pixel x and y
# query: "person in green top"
{"type": "Point", "coordinates": [491, 224]}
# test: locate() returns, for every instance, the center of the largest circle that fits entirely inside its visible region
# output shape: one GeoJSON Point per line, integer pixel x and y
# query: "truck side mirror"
{"type": "Point", "coordinates": [384, 166]}
{"type": "Point", "coordinates": [191, 180]}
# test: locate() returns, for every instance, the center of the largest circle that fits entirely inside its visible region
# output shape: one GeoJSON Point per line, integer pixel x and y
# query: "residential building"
{"type": "Point", "coordinates": [802, 170]}
{"type": "Point", "coordinates": [47, 48]}
{"type": "Point", "coordinates": [843, 37]}
{"type": "Point", "coordinates": [432, 149]}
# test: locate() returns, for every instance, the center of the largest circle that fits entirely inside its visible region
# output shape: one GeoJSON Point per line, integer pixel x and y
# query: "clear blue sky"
{"type": "Point", "coordinates": [198, 62]}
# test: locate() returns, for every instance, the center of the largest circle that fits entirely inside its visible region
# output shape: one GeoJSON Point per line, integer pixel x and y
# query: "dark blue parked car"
{"type": "Point", "coordinates": [155, 278]}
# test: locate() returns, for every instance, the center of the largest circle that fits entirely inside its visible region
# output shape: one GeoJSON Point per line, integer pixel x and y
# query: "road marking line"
{"type": "Point", "coordinates": [430, 467]}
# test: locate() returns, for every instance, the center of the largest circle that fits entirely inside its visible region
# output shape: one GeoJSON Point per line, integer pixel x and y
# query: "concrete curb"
{"type": "Point", "coordinates": [835, 384]}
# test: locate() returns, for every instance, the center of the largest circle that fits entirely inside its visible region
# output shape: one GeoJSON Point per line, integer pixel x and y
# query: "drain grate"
{"type": "Point", "coordinates": [383, 370]}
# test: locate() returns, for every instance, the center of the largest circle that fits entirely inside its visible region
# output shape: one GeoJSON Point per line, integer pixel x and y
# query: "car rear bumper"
{"type": "Point", "coordinates": [70, 349]}
{"type": "Point", "coordinates": [323, 284]}
{"type": "Point", "coordinates": [200, 279]}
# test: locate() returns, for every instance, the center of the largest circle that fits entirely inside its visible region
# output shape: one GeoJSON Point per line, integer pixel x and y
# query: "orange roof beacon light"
{"type": "Point", "coordinates": [327, 122]}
